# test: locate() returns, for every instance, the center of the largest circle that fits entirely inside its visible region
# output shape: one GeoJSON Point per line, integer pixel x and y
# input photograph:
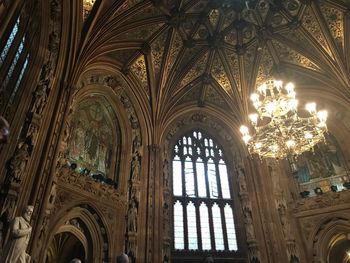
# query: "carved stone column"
{"type": "Point", "coordinates": [252, 244]}
{"type": "Point", "coordinates": [132, 225]}
{"type": "Point", "coordinates": [166, 209]}
{"type": "Point", "coordinates": [282, 209]}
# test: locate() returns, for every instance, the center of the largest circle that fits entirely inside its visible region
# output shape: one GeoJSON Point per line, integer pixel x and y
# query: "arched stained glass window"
{"type": "Point", "coordinates": [203, 215]}
{"type": "Point", "coordinates": [9, 42]}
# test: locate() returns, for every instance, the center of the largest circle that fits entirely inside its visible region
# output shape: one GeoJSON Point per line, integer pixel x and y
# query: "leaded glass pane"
{"type": "Point", "coordinates": [14, 62]}
{"type": "Point", "coordinates": [199, 175]}
{"type": "Point", "coordinates": [218, 233]}
{"type": "Point", "coordinates": [178, 226]}
{"type": "Point", "coordinates": [189, 177]}
{"type": "Point", "coordinates": [192, 226]}
{"type": "Point", "coordinates": [213, 186]}
{"type": "Point", "coordinates": [225, 188]}
{"type": "Point", "coordinates": [177, 177]}
{"type": "Point", "coordinates": [205, 230]}
{"type": "Point", "coordinates": [9, 42]}
{"type": "Point", "coordinates": [230, 228]}
{"type": "Point", "coordinates": [14, 92]}
{"type": "Point", "coordinates": [202, 189]}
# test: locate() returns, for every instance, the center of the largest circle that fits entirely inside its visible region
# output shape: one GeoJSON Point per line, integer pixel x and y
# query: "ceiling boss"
{"type": "Point", "coordinates": [279, 128]}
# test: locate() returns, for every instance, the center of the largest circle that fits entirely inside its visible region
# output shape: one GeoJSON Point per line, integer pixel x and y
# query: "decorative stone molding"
{"type": "Point", "coordinates": [32, 125]}
{"type": "Point", "coordinates": [199, 117]}
{"type": "Point", "coordinates": [252, 244]}
{"type": "Point", "coordinates": [102, 192]}
{"type": "Point", "coordinates": [326, 200]}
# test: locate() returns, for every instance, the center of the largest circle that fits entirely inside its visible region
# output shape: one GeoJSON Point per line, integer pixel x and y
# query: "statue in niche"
{"type": "Point", "coordinates": [275, 177]}
{"type": "Point", "coordinates": [40, 96]}
{"type": "Point", "coordinates": [241, 180]}
{"type": "Point", "coordinates": [20, 231]}
{"type": "Point", "coordinates": [136, 143]}
{"type": "Point", "coordinates": [282, 211]}
{"type": "Point", "coordinates": [135, 196]}
{"type": "Point", "coordinates": [32, 134]}
{"type": "Point", "coordinates": [249, 228]}
{"type": "Point", "coordinates": [131, 250]}
{"type": "Point", "coordinates": [19, 161]}
{"type": "Point", "coordinates": [135, 167]}
{"type": "Point", "coordinates": [132, 217]}
{"type": "Point", "coordinates": [166, 173]}
{"type": "Point", "coordinates": [166, 218]}
{"type": "Point", "coordinates": [166, 253]}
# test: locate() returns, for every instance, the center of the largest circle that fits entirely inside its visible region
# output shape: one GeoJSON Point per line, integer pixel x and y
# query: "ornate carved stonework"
{"type": "Point", "coordinates": [327, 200]}
{"type": "Point", "coordinates": [27, 139]}
{"type": "Point", "coordinates": [106, 193]}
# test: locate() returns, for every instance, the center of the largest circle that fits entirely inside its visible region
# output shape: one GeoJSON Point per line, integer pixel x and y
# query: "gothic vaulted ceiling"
{"type": "Point", "coordinates": [213, 53]}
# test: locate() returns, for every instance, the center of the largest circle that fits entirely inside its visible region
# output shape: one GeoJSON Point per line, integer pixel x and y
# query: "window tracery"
{"type": "Point", "coordinates": [203, 215]}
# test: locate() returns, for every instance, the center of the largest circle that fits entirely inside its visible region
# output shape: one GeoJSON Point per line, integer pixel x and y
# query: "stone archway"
{"type": "Point", "coordinates": [331, 242]}
{"type": "Point", "coordinates": [64, 247]}
{"type": "Point", "coordinates": [339, 251]}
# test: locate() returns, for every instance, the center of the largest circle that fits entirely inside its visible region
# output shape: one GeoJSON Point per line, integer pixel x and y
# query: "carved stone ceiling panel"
{"type": "Point", "coordinates": [234, 43]}
{"type": "Point", "coordinates": [139, 69]}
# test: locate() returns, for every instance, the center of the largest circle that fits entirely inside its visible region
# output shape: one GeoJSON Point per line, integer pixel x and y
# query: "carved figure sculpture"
{"type": "Point", "coordinates": [15, 249]}
{"type": "Point", "coordinates": [135, 167]}
{"type": "Point", "coordinates": [166, 173]}
{"type": "Point", "coordinates": [40, 98]}
{"type": "Point", "coordinates": [282, 211]}
{"type": "Point", "coordinates": [19, 161]}
{"type": "Point", "coordinates": [241, 181]}
{"type": "Point", "coordinates": [249, 228]}
{"type": "Point", "coordinates": [132, 217]}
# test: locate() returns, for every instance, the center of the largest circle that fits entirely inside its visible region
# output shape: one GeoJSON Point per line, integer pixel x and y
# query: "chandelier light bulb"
{"type": "Point", "coordinates": [290, 88]}
{"type": "Point", "coordinates": [291, 95]}
{"type": "Point", "coordinates": [254, 118]}
{"type": "Point", "coordinates": [308, 136]}
{"type": "Point", "coordinates": [258, 145]}
{"type": "Point", "coordinates": [244, 130]}
{"type": "Point", "coordinates": [254, 97]}
{"type": "Point", "coordinates": [322, 116]}
{"type": "Point", "coordinates": [290, 144]}
{"type": "Point", "coordinates": [311, 107]}
{"type": "Point", "coordinates": [270, 108]}
{"type": "Point", "coordinates": [278, 84]}
{"type": "Point", "coordinates": [246, 138]}
{"type": "Point", "coordinates": [293, 104]}
{"type": "Point", "coordinates": [262, 89]}
{"type": "Point", "coordinates": [274, 148]}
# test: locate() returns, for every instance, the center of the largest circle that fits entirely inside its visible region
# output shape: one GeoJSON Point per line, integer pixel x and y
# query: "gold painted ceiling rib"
{"type": "Point", "coordinates": [179, 74]}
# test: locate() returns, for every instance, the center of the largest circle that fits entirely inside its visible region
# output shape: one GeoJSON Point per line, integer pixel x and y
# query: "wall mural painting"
{"type": "Point", "coordinates": [92, 138]}
{"type": "Point", "coordinates": [323, 169]}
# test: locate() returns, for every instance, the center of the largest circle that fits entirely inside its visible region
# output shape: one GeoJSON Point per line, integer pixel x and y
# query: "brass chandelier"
{"type": "Point", "coordinates": [279, 129]}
